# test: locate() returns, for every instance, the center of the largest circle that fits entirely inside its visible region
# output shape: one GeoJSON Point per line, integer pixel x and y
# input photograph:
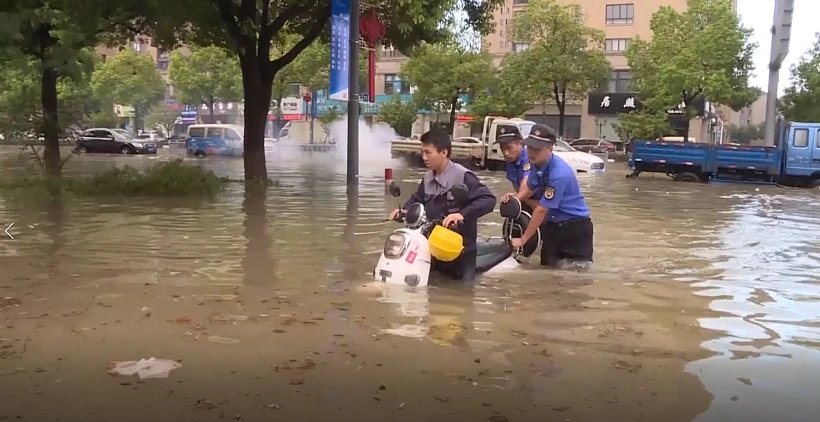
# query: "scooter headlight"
{"type": "Point", "coordinates": [396, 245]}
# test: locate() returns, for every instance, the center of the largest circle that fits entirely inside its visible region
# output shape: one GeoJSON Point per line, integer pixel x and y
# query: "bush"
{"type": "Point", "coordinates": [164, 179]}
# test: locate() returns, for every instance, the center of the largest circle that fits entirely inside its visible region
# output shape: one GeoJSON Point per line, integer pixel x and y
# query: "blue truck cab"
{"type": "Point", "coordinates": [793, 161]}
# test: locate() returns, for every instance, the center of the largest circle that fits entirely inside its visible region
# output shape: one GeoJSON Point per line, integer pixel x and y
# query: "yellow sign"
{"type": "Point", "coordinates": [549, 192]}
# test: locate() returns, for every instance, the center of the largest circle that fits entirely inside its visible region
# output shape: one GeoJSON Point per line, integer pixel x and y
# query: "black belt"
{"type": "Point", "coordinates": [570, 222]}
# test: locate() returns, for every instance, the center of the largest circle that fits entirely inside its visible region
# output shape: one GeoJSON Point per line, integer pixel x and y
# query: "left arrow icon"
{"type": "Point", "coordinates": [7, 231]}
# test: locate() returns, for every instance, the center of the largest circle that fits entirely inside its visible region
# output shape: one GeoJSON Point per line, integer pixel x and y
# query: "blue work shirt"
{"type": "Point", "coordinates": [517, 171]}
{"type": "Point", "coordinates": [561, 193]}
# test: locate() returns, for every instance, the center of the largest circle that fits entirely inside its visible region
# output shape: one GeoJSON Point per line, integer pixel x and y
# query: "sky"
{"type": "Point", "coordinates": [758, 15]}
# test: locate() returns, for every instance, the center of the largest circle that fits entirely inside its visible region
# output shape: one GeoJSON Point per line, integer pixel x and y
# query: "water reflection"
{"type": "Point", "coordinates": [258, 265]}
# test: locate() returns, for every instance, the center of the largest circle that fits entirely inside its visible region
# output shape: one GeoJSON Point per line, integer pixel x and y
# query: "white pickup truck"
{"type": "Point", "coordinates": [485, 152]}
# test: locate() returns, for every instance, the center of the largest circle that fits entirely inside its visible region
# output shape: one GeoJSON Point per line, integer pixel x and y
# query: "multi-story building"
{"type": "Point", "coordinates": [143, 45]}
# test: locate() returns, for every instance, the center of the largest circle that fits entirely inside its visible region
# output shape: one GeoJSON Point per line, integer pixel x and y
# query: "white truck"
{"type": "Point", "coordinates": [485, 152]}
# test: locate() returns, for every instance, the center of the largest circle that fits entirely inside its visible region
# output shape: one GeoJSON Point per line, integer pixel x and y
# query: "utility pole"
{"type": "Point", "coordinates": [353, 98]}
{"type": "Point", "coordinates": [781, 36]}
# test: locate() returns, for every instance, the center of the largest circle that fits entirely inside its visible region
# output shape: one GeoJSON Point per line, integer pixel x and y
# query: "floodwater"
{"type": "Point", "coordinates": [703, 304]}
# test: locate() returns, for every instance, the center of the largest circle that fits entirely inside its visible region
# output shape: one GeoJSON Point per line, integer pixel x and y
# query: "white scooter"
{"type": "Point", "coordinates": [406, 257]}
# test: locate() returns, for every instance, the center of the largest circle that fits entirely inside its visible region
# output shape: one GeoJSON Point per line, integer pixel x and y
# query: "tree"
{"type": "Point", "coordinates": [400, 115]}
{"type": "Point", "coordinates": [801, 101]}
{"type": "Point", "coordinates": [251, 28]}
{"type": "Point", "coordinates": [565, 58]}
{"type": "Point", "coordinates": [745, 134]}
{"type": "Point", "coordinates": [161, 119]}
{"type": "Point", "coordinates": [207, 75]}
{"type": "Point", "coordinates": [501, 98]}
{"type": "Point", "coordinates": [443, 72]}
{"type": "Point", "coordinates": [643, 125]}
{"type": "Point", "coordinates": [702, 51]}
{"type": "Point", "coordinates": [53, 34]}
{"type": "Point", "coordinates": [20, 108]}
{"type": "Point", "coordinates": [129, 79]}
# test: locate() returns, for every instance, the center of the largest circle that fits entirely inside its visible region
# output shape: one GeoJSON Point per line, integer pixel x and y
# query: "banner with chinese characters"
{"type": "Point", "coordinates": [612, 103]}
{"type": "Point", "coordinates": [339, 49]}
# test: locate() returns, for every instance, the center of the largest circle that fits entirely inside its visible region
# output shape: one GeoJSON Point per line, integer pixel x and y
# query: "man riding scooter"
{"type": "Point", "coordinates": [434, 193]}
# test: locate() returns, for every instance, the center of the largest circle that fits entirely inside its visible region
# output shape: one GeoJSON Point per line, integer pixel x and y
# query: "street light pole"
{"type": "Point", "coordinates": [781, 35]}
{"type": "Point", "coordinates": [353, 99]}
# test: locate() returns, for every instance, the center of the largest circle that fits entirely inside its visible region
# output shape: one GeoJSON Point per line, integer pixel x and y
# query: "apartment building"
{"type": "Point", "coordinates": [143, 45]}
{"type": "Point", "coordinates": [596, 116]}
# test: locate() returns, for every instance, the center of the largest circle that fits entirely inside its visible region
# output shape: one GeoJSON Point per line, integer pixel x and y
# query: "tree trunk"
{"type": "Point", "coordinates": [562, 106]}
{"type": "Point", "coordinates": [51, 130]}
{"type": "Point", "coordinates": [453, 108]}
{"type": "Point", "coordinates": [257, 83]}
{"type": "Point", "coordinates": [211, 109]}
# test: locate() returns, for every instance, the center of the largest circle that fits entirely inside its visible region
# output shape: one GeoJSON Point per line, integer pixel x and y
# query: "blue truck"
{"type": "Point", "coordinates": [793, 161]}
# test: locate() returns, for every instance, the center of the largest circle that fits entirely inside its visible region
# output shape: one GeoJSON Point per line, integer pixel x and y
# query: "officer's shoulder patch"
{"type": "Point", "coordinates": [549, 192]}
{"type": "Point", "coordinates": [526, 166]}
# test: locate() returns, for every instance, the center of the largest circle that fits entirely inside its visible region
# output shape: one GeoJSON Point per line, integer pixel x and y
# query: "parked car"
{"type": "Point", "coordinates": [113, 141]}
{"type": "Point", "coordinates": [597, 146]}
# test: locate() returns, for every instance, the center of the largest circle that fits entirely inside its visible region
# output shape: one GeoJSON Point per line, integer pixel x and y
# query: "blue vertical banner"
{"type": "Point", "coordinates": [339, 50]}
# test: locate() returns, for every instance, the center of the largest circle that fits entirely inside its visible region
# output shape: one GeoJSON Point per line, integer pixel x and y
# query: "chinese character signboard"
{"type": "Point", "coordinates": [602, 103]}
{"type": "Point", "coordinates": [612, 103]}
{"type": "Point", "coordinates": [339, 49]}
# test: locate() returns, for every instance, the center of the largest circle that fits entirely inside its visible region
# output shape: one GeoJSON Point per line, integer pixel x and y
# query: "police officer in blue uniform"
{"type": "Point", "coordinates": [568, 230]}
{"type": "Point", "coordinates": [433, 191]}
{"type": "Point", "coordinates": [518, 168]}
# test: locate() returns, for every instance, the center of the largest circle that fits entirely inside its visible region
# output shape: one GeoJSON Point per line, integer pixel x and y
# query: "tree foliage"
{"type": "Point", "coordinates": [443, 72]}
{"type": "Point", "coordinates": [251, 28]}
{"type": "Point", "coordinates": [400, 115]}
{"type": "Point", "coordinates": [502, 97]}
{"type": "Point", "coordinates": [801, 101]}
{"type": "Point", "coordinates": [53, 34]}
{"type": "Point", "coordinates": [745, 134]}
{"type": "Point", "coordinates": [704, 50]}
{"type": "Point", "coordinates": [161, 119]}
{"type": "Point", "coordinates": [207, 75]}
{"type": "Point", "coordinates": [565, 58]}
{"type": "Point", "coordinates": [644, 124]}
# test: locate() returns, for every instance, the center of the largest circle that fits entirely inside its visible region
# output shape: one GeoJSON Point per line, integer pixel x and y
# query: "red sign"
{"type": "Point", "coordinates": [411, 256]}
{"type": "Point", "coordinates": [287, 117]}
{"type": "Point", "coordinates": [464, 118]}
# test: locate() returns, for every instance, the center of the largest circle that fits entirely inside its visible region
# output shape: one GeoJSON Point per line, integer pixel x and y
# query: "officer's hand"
{"type": "Point", "coordinates": [517, 242]}
{"type": "Point", "coordinates": [507, 197]}
{"type": "Point", "coordinates": [394, 214]}
{"type": "Point", "coordinates": [452, 219]}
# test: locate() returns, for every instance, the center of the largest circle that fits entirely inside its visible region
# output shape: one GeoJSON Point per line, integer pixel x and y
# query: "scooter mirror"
{"type": "Point", "coordinates": [395, 189]}
{"type": "Point", "coordinates": [460, 193]}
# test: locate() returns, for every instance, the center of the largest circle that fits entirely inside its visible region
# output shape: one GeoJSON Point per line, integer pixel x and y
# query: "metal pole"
{"type": "Point", "coordinates": [781, 37]}
{"type": "Point", "coordinates": [353, 98]}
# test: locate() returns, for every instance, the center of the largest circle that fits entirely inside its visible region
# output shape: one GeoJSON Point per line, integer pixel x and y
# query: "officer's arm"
{"type": "Point", "coordinates": [530, 199]}
{"type": "Point", "coordinates": [481, 201]}
{"type": "Point", "coordinates": [417, 197]}
{"type": "Point", "coordinates": [553, 194]}
{"type": "Point", "coordinates": [525, 190]}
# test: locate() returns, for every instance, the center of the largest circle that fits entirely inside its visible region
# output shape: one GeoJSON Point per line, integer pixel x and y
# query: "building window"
{"type": "Point", "coordinates": [615, 45]}
{"type": "Point", "coordinates": [520, 46]}
{"type": "Point", "coordinates": [520, 2]}
{"type": "Point", "coordinates": [393, 84]}
{"type": "Point", "coordinates": [163, 59]}
{"type": "Point", "coordinates": [619, 81]}
{"type": "Point", "coordinates": [137, 46]}
{"type": "Point", "coordinates": [388, 52]}
{"type": "Point", "coordinates": [620, 14]}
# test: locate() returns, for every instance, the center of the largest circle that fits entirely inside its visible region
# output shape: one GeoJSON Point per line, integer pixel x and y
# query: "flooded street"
{"type": "Point", "coordinates": [703, 304]}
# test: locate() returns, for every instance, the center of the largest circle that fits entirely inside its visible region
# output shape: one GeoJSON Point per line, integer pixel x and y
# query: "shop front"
{"type": "Point", "coordinates": [223, 113]}
{"type": "Point", "coordinates": [606, 107]}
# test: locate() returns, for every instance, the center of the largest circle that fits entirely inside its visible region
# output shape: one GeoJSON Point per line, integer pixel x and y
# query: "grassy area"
{"type": "Point", "coordinates": [171, 178]}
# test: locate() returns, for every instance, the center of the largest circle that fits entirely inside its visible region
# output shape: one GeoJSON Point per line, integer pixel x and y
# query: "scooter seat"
{"type": "Point", "coordinates": [491, 253]}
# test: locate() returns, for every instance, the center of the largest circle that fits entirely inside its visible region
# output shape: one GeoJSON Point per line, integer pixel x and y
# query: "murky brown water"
{"type": "Point", "coordinates": [703, 305]}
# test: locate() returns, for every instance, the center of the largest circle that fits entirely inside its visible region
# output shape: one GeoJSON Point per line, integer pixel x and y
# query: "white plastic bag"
{"type": "Point", "coordinates": [145, 368]}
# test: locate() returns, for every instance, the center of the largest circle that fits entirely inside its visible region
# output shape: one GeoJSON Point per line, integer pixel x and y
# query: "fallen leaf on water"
{"type": "Point", "coordinates": [274, 406]}
{"type": "Point", "coordinates": [297, 382]}
{"type": "Point", "coordinates": [222, 340]}
{"type": "Point", "coordinates": [229, 318]}
{"type": "Point", "coordinates": [204, 404]}
{"type": "Point", "coordinates": [183, 320]}
{"type": "Point", "coordinates": [445, 399]}
{"type": "Point", "coordinates": [308, 364]}
{"type": "Point", "coordinates": [498, 418]}
{"type": "Point", "coordinates": [560, 408]}
{"type": "Point", "coordinates": [278, 331]}
{"type": "Point", "coordinates": [518, 333]}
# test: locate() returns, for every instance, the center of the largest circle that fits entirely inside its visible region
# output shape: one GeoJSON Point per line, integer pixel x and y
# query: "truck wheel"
{"type": "Point", "coordinates": [814, 184]}
{"type": "Point", "coordinates": [199, 154]}
{"type": "Point", "coordinates": [687, 177]}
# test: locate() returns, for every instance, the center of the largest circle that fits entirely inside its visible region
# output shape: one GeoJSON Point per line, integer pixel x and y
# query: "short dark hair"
{"type": "Point", "coordinates": [440, 140]}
